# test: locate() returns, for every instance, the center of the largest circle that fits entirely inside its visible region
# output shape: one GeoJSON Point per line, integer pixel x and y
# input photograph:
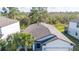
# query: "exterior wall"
{"type": "Point", "coordinates": [33, 47]}
{"type": "Point", "coordinates": [57, 45]}
{"type": "Point", "coordinates": [72, 30]}
{"type": "Point", "coordinates": [7, 30]}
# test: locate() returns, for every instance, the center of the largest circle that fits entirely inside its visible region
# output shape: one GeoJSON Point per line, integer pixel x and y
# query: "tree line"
{"type": "Point", "coordinates": [38, 14]}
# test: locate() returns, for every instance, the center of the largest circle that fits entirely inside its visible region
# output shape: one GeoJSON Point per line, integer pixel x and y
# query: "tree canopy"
{"type": "Point", "coordinates": [38, 14]}
{"type": "Point", "coordinates": [16, 40]}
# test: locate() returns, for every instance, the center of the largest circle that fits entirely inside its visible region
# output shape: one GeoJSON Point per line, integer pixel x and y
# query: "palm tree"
{"type": "Point", "coordinates": [19, 39]}
{"type": "Point", "coordinates": [25, 39]}
{"type": "Point", "coordinates": [2, 45]}
{"type": "Point", "coordinates": [39, 14]}
{"type": "Point", "coordinates": [13, 12]}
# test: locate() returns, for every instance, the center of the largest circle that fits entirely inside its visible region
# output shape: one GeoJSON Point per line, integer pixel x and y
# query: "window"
{"type": "Point", "coordinates": [78, 24]}
{"type": "Point", "coordinates": [76, 33]}
{"type": "Point", "coordinates": [44, 44]}
{"type": "Point", "coordinates": [38, 45]}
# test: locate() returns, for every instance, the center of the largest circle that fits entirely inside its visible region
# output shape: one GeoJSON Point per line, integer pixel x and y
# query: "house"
{"type": "Point", "coordinates": [73, 28]}
{"type": "Point", "coordinates": [48, 38]}
{"type": "Point", "coordinates": [8, 26]}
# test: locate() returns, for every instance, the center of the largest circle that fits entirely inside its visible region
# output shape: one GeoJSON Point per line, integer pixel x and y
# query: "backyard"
{"type": "Point", "coordinates": [61, 28]}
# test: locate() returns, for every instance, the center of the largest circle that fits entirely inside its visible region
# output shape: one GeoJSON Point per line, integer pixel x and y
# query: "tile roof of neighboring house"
{"type": "Point", "coordinates": [74, 20]}
{"type": "Point", "coordinates": [43, 29]}
{"type": "Point", "coordinates": [6, 21]}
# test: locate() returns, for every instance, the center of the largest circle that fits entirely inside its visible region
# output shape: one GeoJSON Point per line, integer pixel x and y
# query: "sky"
{"type": "Point", "coordinates": [52, 9]}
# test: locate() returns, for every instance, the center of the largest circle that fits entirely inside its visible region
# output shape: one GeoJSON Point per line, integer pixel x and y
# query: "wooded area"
{"type": "Point", "coordinates": [38, 14]}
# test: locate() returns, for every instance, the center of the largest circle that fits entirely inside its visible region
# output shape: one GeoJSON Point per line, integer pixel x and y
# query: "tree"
{"type": "Point", "coordinates": [2, 45]}
{"type": "Point", "coordinates": [0, 14]}
{"type": "Point", "coordinates": [19, 39]}
{"type": "Point", "coordinates": [24, 20]}
{"type": "Point", "coordinates": [13, 12]}
{"type": "Point", "coordinates": [38, 14]}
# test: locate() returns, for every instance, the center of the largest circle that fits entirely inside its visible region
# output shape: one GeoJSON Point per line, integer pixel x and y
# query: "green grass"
{"type": "Point", "coordinates": [61, 28]}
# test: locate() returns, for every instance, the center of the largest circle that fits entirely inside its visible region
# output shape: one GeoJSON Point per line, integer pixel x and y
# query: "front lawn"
{"type": "Point", "coordinates": [60, 27]}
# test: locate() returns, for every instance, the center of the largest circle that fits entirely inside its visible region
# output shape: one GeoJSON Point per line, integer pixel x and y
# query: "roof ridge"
{"type": "Point", "coordinates": [59, 33]}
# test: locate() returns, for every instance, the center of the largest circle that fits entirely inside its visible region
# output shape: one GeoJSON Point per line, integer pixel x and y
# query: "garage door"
{"type": "Point", "coordinates": [55, 49]}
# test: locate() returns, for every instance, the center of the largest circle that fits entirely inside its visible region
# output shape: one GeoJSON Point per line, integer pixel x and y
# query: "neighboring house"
{"type": "Point", "coordinates": [48, 38]}
{"type": "Point", "coordinates": [73, 28]}
{"type": "Point", "coordinates": [8, 26]}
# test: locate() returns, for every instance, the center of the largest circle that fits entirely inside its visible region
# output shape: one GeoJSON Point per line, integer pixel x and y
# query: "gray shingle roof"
{"type": "Point", "coordinates": [54, 31]}
{"type": "Point", "coordinates": [6, 21]}
{"type": "Point", "coordinates": [44, 29]}
{"type": "Point", "coordinates": [37, 31]}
